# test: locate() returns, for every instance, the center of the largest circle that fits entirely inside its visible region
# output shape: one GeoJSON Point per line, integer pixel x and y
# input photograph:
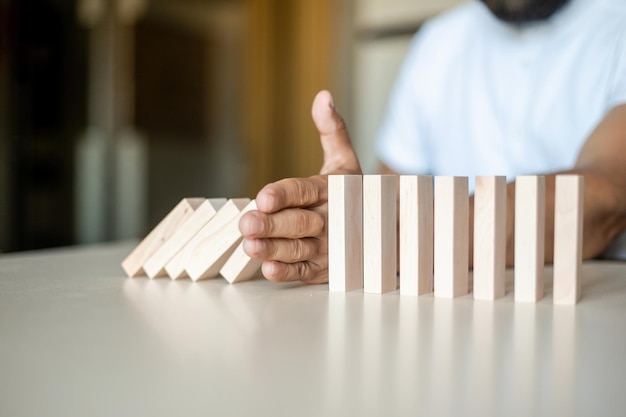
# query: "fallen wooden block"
{"type": "Point", "coordinates": [155, 265]}
{"type": "Point", "coordinates": [175, 268]}
{"type": "Point", "coordinates": [133, 264]}
{"type": "Point", "coordinates": [211, 251]}
{"type": "Point", "coordinates": [240, 267]}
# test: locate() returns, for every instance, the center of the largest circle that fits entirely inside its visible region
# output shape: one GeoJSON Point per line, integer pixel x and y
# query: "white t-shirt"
{"type": "Point", "coordinates": [477, 96]}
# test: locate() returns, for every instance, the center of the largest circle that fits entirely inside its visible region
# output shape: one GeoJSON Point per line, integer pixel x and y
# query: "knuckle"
{"type": "Point", "coordinates": [299, 250]}
{"type": "Point", "coordinates": [309, 223]}
{"type": "Point", "coordinates": [269, 222]}
{"type": "Point", "coordinates": [302, 270]}
{"type": "Point", "coordinates": [272, 249]}
{"type": "Point", "coordinates": [319, 224]}
{"type": "Point", "coordinates": [322, 246]}
{"type": "Point", "coordinates": [319, 277]}
{"type": "Point", "coordinates": [303, 223]}
{"type": "Point", "coordinates": [307, 192]}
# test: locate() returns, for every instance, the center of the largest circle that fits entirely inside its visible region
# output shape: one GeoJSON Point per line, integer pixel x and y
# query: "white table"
{"type": "Point", "coordinates": [77, 338]}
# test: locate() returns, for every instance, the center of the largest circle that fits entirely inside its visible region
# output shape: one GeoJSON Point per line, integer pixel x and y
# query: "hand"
{"type": "Point", "coordinates": [288, 231]}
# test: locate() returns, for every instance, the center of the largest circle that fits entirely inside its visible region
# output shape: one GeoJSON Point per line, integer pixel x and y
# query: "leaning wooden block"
{"type": "Point", "coordinates": [212, 251]}
{"type": "Point", "coordinates": [240, 267]}
{"type": "Point", "coordinates": [155, 265]}
{"type": "Point", "coordinates": [529, 237]}
{"type": "Point", "coordinates": [568, 237]}
{"type": "Point", "coordinates": [416, 235]}
{"type": "Point", "coordinates": [133, 264]}
{"type": "Point", "coordinates": [489, 237]}
{"type": "Point", "coordinates": [379, 233]}
{"type": "Point", "coordinates": [451, 271]}
{"type": "Point", "coordinates": [345, 232]}
{"type": "Point", "coordinates": [176, 266]}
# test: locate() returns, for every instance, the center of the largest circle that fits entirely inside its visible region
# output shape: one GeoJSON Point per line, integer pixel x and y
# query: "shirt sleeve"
{"type": "Point", "coordinates": [400, 142]}
{"type": "Point", "coordinates": [617, 93]}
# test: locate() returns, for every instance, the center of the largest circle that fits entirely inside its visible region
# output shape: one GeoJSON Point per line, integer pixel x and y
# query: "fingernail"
{"type": "Point", "coordinates": [250, 225]}
{"type": "Point", "coordinates": [269, 269]}
{"type": "Point", "coordinates": [252, 247]}
{"type": "Point", "coordinates": [264, 201]}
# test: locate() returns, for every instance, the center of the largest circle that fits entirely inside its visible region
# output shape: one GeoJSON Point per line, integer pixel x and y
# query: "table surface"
{"type": "Point", "coordinates": [77, 338]}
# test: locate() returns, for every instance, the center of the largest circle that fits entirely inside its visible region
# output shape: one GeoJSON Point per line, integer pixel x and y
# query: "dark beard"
{"type": "Point", "coordinates": [521, 11]}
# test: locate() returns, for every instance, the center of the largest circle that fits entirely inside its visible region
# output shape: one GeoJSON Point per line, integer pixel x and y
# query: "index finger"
{"type": "Point", "coordinates": [293, 193]}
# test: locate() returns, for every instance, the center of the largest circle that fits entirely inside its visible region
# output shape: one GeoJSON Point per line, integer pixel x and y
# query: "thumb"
{"type": "Point", "coordinates": [339, 155]}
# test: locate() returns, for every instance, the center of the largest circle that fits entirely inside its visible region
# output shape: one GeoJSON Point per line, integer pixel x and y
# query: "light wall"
{"type": "Point", "coordinates": [383, 30]}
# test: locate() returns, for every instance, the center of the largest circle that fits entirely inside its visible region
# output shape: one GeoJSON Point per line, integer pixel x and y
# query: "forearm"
{"type": "Point", "coordinates": [604, 216]}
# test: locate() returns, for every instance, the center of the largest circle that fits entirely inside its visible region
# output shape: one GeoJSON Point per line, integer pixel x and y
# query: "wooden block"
{"type": "Point", "coordinates": [489, 237]}
{"type": "Point", "coordinates": [345, 232]}
{"type": "Point", "coordinates": [175, 268]}
{"type": "Point", "coordinates": [155, 265]}
{"type": "Point", "coordinates": [379, 233]}
{"type": "Point", "coordinates": [133, 264]}
{"type": "Point", "coordinates": [211, 251]}
{"type": "Point", "coordinates": [240, 267]}
{"type": "Point", "coordinates": [568, 234]}
{"type": "Point", "coordinates": [416, 235]}
{"type": "Point", "coordinates": [529, 237]}
{"type": "Point", "coordinates": [451, 270]}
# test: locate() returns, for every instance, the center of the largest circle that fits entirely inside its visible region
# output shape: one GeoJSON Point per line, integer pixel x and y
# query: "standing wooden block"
{"type": "Point", "coordinates": [568, 234]}
{"type": "Point", "coordinates": [212, 251]}
{"type": "Point", "coordinates": [529, 237]}
{"type": "Point", "coordinates": [176, 266]}
{"type": "Point", "coordinates": [133, 264]}
{"type": "Point", "coordinates": [489, 237]}
{"type": "Point", "coordinates": [451, 237]}
{"type": "Point", "coordinates": [379, 233]}
{"type": "Point", "coordinates": [416, 235]}
{"type": "Point", "coordinates": [240, 267]}
{"type": "Point", "coordinates": [345, 232]}
{"type": "Point", "coordinates": [155, 265]}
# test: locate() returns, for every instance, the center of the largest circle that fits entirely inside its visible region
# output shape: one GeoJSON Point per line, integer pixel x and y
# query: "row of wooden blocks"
{"type": "Point", "coordinates": [433, 236]}
{"type": "Point", "coordinates": [198, 239]}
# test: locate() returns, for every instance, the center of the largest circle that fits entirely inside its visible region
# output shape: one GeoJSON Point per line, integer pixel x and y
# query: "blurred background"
{"type": "Point", "coordinates": [111, 111]}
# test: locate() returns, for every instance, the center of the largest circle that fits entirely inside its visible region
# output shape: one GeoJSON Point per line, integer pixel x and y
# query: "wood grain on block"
{"type": "Point", "coordinates": [175, 268]}
{"type": "Point", "coordinates": [568, 238]}
{"type": "Point", "coordinates": [529, 237]}
{"type": "Point", "coordinates": [379, 233]}
{"type": "Point", "coordinates": [489, 237]}
{"type": "Point", "coordinates": [210, 253]}
{"type": "Point", "coordinates": [345, 232]}
{"type": "Point", "coordinates": [155, 265]}
{"type": "Point", "coordinates": [451, 269]}
{"type": "Point", "coordinates": [416, 235]}
{"type": "Point", "coordinates": [133, 264]}
{"type": "Point", "coordinates": [240, 267]}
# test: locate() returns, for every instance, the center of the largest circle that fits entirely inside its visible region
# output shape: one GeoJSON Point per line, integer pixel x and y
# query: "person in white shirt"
{"type": "Point", "coordinates": [493, 87]}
